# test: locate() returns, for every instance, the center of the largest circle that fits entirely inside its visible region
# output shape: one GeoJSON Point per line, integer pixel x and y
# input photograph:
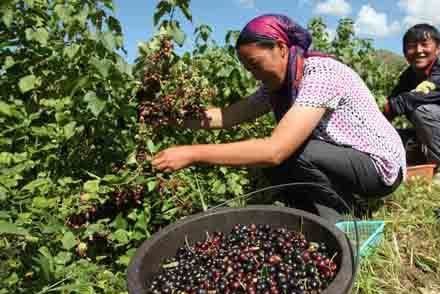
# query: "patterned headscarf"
{"type": "Point", "coordinates": [280, 28]}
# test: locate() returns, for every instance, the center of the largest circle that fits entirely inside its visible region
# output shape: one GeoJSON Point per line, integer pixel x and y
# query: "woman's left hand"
{"type": "Point", "coordinates": [173, 159]}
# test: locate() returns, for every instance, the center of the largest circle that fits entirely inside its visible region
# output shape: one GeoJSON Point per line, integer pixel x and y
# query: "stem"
{"type": "Point", "coordinates": [207, 236]}
{"type": "Point", "coordinates": [202, 199]}
{"type": "Point", "coordinates": [172, 14]}
{"type": "Point", "coordinates": [187, 244]}
{"type": "Point", "coordinates": [53, 286]}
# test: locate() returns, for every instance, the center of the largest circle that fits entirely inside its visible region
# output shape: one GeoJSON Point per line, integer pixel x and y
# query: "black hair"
{"type": "Point", "coordinates": [262, 41]}
{"type": "Point", "coordinates": [421, 32]}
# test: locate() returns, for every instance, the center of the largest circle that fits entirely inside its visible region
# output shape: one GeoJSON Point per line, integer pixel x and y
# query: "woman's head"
{"type": "Point", "coordinates": [267, 62]}
{"type": "Point", "coordinates": [264, 46]}
{"type": "Point", "coordinates": [421, 46]}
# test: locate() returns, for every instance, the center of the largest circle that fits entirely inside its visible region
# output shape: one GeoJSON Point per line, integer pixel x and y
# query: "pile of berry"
{"type": "Point", "coordinates": [251, 259]}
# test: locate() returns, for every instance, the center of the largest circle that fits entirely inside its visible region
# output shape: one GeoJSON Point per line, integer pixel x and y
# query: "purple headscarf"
{"type": "Point", "coordinates": [281, 28]}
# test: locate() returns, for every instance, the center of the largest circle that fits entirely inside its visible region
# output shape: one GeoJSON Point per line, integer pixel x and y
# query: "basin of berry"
{"type": "Point", "coordinates": [252, 249]}
{"type": "Point", "coordinates": [254, 258]}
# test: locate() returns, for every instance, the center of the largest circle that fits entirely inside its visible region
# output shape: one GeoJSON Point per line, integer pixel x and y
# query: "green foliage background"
{"type": "Point", "coordinates": [67, 115]}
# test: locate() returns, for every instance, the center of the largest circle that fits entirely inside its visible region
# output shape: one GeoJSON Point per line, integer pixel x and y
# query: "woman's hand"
{"type": "Point", "coordinates": [173, 159]}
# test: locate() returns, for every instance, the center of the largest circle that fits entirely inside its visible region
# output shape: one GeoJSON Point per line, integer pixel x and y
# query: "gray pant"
{"type": "Point", "coordinates": [343, 171]}
{"type": "Point", "coordinates": [426, 119]}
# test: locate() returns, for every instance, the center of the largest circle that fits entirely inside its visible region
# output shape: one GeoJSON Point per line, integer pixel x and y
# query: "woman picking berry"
{"type": "Point", "coordinates": [329, 130]}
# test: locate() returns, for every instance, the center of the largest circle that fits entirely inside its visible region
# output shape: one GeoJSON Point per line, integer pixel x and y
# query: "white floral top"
{"type": "Point", "coordinates": [353, 117]}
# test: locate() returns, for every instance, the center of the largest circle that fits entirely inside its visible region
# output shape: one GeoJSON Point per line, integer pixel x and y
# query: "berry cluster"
{"type": "Point", "coordinates": [157, 114]}
{"type": "Point", "coordinates": [120, 200]}
{"type": "Point", "coordinates": [170, 93]}
{"type": "Point", "coordinates": [250, 259]}
{"type": "Point", "coordinates": [95, 245]}
{"type": "Point", "coordinates": [156, 67]}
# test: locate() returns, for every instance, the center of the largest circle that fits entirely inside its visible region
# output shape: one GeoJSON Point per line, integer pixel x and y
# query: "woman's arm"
{"type": "Point", "coordinates": [239, 112]}
{"type": "Point", "coordinates": [292, 131]}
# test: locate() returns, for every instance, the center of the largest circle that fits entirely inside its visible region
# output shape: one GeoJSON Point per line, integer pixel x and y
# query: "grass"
{"type": "Point", "coordinates": [408, 258]}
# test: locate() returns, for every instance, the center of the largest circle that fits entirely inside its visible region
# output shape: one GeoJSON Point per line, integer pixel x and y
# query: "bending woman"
{"type": "Point", "coordinates": [329, 130]}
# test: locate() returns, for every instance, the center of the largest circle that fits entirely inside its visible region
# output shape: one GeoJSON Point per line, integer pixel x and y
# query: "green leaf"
{"type": "Point", "coordinates": [170, 213]}
{"type": "Point", "coordinates": [71, 51]}
{"type": "Point", "coordinates": [5, 109]}
{"type": "Point", "coordinates": [93, 229]}
{"type": "Point", "coordinates": [111, 179]}
{"type": "Point", "coordinates": [63, 258]}
{"type": "Point", "coordinates": [4, 214]}
{"type": "Point", "coordinates": [108, 40]}
{"type": "Point", "coordinates": [80, 83]}
{"type": "Point", "coordinates": [95, 105]}
{"type": "Point", "coordinates": [9, 62]}
{"type": "Point", "coordinates": [121, 236]}
{"type": "Point", "coordinates": [119, 222]}
{"type": "Point", "coordinates": [11, 229]}
{"type": "Point", "coordinates": [30, 3]}
{"type": "Point", "coordinates": [29, 33]}
{"type": "Point", "coordinates": [162, 8]}
{"type": "Point", "coordinates": [45, 262]}
{"type": "Point", "coordinates": [125, 259]}
{"type": "Point", "coordinates": [224, 72]}
{"type": "Point", "coordinates": [151, 146]}
{"type": "Point", "coordinates": [5, 3]}
{"type": "Point", "coordinates": [219, 187]}
{"type": "Point", "coordinates": [81, 17]}
{"type": "Point", "coordinates": [8, 17]}
{"type": "Point", "coordinates": [61, 11]}
{"type": "Point", "coordinates": [31, 186]}
{"type": "Point", "coordinates": [40, 202]}
{"type": "Point", "coordinates": [140, 180]}
{"type": "Point", "coordinates": [110, 5]}
{"type": "Point", "coordinates": [124, 67]}
{"type": "Point", "coordinates": [102, 65]}
{"type": "Point", "coordinates": [151, 185]}
{"type": "Point", "coordinates": [176, 33]}
{"type": "Point", "coordinates": [183, 5]}
{"type": "Point", "coordinates": [41, 36]}
{"type": "Point", "coordinates": [114, 24]}
{"type": "Point", "coordinates": [131, 159]}
{"type": "Point", "coordinates": [27, 83]}
{"type": "Point", "coordinates": [66, 181]}
{"type": "Point", "coordinates": [69, 240]}
{"type": "Point", "coordinates": [91, 186]}
{"type": "Point", "coordinates": [69, 130]}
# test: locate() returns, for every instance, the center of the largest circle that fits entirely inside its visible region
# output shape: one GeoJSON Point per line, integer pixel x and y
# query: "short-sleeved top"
{"type": "Point", "coordinates": [353, 117]}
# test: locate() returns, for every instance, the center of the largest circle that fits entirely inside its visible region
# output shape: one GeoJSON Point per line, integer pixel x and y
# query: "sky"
{"type": "Point", "coordinates": [382, 21]}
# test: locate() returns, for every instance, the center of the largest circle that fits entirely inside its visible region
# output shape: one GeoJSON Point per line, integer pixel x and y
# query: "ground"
{"type": "Point", "coordinates": [408, 258]}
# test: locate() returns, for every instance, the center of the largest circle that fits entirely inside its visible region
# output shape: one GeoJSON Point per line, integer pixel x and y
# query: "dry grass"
{"type": "Point", "coordinates": [408, 259]}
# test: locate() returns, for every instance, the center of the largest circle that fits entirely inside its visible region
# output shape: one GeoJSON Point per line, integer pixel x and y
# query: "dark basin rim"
{"type": "Point", "coordinates": [136, 286]}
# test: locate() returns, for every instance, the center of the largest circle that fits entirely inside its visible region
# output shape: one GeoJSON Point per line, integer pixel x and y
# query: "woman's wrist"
{"type": "Point", "coordinates": [194, 153]}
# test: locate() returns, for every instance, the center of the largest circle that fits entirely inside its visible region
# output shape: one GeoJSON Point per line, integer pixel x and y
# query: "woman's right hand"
{"type": "Point", "coordinates": [173, 159]}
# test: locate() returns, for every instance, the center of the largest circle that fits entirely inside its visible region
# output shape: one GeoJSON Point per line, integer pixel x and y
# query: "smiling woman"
{"type": "Point", "coordinates": [268, 66]}
{"type": "Point", "coordinates": [330, 130]}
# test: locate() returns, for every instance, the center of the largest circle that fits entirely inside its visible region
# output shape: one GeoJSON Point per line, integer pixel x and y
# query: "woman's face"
{"type": "Point", "coordinates": [268, 65]}
{"type": "Point", "coordinates": [422, 54]}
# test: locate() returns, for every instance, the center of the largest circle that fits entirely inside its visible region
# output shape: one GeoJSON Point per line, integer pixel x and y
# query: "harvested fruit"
{"type": "Point", "coordinates": [250, 259]}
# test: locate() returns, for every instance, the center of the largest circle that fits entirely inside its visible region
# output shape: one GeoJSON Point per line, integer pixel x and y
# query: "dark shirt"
{"type": "Point", "coordinates": [403, 101]}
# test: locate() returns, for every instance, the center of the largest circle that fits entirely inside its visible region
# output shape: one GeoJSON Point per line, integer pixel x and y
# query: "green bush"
{"type": "Point", "coordinates": [77, 192]}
